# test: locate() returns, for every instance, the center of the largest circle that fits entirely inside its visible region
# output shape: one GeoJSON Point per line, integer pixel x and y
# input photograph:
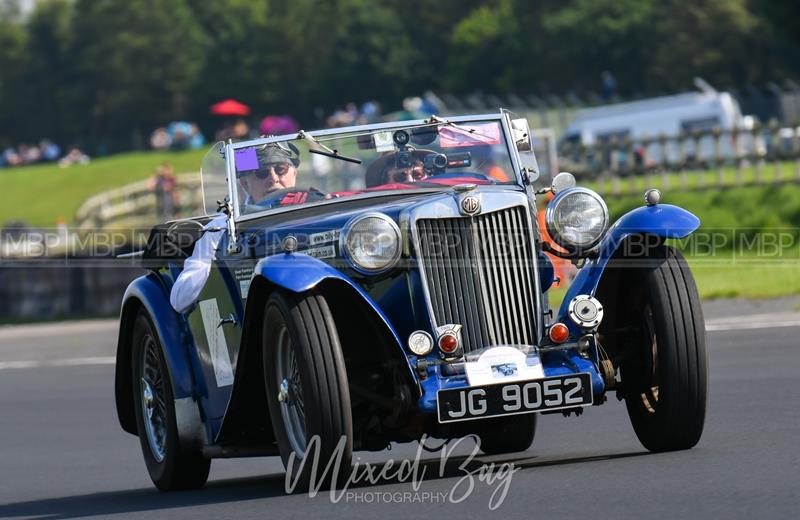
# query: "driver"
{"type": "Point", "coordinates": [277, 170]}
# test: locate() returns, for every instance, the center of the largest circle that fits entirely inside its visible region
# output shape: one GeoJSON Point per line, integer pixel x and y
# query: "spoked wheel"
{"type": "Point", "coordinates": [290, 393]}
{"type": "Point", "coordinates": [170, 465]}
{"type": "Point", "coordinates": [507, 434]}
{"type": "Point", "coordinates": [665, 375]}
{"type": "Point", "coordinates": [307, 389]}
{"type": "Point", "coordinates": [154, 410]}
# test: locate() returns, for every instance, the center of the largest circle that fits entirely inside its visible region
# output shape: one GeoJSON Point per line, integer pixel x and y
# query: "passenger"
{"type": "Point", "coordinates": [415, 171]}
{"type": "Point", "coordinates": [394, 167]}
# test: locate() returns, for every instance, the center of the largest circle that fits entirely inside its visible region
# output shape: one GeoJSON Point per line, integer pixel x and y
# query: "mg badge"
{"type": "Point", "coordinates": [470, 205]}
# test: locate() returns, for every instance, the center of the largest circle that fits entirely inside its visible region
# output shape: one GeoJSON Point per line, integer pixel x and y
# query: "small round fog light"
{"type": "Point", "coordinates": [420, 343]}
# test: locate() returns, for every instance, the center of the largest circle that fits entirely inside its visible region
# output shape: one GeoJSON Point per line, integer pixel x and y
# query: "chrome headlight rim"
{"type": "Point", "coordinates": [345, 250]}
{"type": "Point", "coordinates": [549, 218]}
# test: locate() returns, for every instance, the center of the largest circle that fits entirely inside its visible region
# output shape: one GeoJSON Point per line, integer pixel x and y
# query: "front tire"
{"type": "Point", "coordinates": [665, 375]}
{"type": "Point", "coordinates": [307, 387]}
{"type": "Point", "coordinates": [171, 465]}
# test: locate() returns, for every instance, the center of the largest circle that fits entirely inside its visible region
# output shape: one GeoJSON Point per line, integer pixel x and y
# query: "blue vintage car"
{"type": "Point", "coordinates": [354, 287]}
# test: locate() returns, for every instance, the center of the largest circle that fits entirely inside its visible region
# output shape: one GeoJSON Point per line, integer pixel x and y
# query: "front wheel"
{"type": "Point", "coordinates": [665, 375]}
{"type": "Point", "coordinates": [307, 388]}
{"type": "Point", "coordinates": [171, 465]}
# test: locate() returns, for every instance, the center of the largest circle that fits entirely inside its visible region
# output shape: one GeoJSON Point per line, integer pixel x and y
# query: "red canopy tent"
{"type": "Point", "coordinates": [230, 107]}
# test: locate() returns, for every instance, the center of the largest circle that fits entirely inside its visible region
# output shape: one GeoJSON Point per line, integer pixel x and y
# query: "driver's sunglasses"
{"type": "Point", "coordinates": [401, 175]}
{"type": "Point", "coordinates": [280, 169]}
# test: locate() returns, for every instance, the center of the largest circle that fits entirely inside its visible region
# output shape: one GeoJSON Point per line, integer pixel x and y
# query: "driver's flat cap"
{"type": "Point", "coordinates": [274, 153]}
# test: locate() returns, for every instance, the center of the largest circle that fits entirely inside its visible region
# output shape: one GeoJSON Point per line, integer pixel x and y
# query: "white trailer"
{"type": "Point", "coordinates": [668, 116]}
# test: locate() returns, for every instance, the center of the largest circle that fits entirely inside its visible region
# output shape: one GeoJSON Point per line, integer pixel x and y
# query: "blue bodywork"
{"type": "Point", "coordinates": [662, 220]}
{"type": "Point", "coordinates": [300, 273]}
{"type": "Point", "coordinates": [398, 304]}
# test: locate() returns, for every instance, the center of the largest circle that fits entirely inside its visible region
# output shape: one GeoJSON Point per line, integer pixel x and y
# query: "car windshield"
{"type": "Point", "coordinates": [313, 169]}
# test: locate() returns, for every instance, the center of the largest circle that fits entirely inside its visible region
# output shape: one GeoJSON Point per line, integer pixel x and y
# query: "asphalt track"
{"type": "Point", "coordinates": [63, 455]}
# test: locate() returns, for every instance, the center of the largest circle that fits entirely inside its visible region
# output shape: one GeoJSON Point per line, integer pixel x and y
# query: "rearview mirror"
{"type": "Point", "coordinates": [522, 134]}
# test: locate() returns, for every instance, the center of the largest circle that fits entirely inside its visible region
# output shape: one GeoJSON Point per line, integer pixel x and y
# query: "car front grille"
{"type": "Point", "coordinates": [479, 272]}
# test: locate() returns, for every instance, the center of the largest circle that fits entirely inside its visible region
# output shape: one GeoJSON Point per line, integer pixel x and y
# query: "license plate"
{"type": "Point", "coordinates": [479, 402]}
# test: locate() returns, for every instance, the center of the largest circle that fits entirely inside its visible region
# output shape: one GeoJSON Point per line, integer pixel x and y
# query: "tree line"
{"type": "Point", "coordinates": [103, 73]}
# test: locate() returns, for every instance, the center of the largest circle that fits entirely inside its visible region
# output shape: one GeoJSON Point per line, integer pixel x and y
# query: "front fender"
{"type": "Point", "coordinates": [147, 292]}
{"type": "Point", "coordinates": [662, 220]}
{"type": "Point", "coordinates": [299, 272]}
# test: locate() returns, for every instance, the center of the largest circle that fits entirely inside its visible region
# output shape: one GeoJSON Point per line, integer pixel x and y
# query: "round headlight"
{"type": "Point", "coordinates": [576, 219]}
{"type": "Point", "coordinates": [371, 242]}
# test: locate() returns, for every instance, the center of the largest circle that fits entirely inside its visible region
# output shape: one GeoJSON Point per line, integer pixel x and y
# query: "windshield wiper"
{"type": "Point", "coordinates": [324, 150]}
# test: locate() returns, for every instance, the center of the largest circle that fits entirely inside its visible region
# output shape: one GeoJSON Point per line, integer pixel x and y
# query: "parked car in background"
{"type": "Point", "coordinates": [391, 283]}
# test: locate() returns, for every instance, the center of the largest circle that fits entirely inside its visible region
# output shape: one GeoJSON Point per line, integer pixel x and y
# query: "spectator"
{"type": "Point", "coordinates": [178, 135]}
{"type": "Point", "coordinates": [29, 154]}
{"type": "Point", "coordinates": [609, 85]}
{"type": "Point", "coordinates": [160, 139]}
{"type": "Point", "coordinates": [345, 117]}
{"type": "Point", "coordinates": [75, 156]}
{"type": "Point", "coordinates": [196, 141]}
{"type": "Point", "coordinates": [50, 150]}
{"type": "Point", "coordinates": [238, 131]}
{"type": "Point", "coordinates": [24, 154]}
{"type": "Point", "coordinates": [11, 157]}
{"type": "Point", "coordinates": [164, 186]}
{"type": "Point", "coordinates": [370, 112]}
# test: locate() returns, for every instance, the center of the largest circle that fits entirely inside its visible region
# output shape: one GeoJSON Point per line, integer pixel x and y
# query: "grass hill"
{"type": "Point", "coordinates": [42, 194]}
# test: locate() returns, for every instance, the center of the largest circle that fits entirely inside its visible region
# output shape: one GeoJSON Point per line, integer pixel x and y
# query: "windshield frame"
{"type": "Point", "coordinates": [501, 117]}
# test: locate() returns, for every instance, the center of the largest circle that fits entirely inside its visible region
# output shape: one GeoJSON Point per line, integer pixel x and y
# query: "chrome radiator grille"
{"type": "Point", "coordinates": [479, 273]}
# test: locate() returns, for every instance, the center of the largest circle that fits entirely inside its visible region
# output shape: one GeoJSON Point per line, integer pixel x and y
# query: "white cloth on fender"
{"type": "Point", "coordinates": [197, 267]}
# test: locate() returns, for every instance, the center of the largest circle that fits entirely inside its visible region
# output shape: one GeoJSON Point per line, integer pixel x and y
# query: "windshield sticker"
{"type": "Point", "coordinates": [469, 135]}
{"type": "Point", "coordinates": [383, 141]}
{"type": "Point", "coordinates": [243, 275]}
{"type": "Point", "coordinates": [245, 159]}
{"type": "Point", "coordinates": [321, 252]}
{"type": "Point", "coordinates": [325, 236]}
